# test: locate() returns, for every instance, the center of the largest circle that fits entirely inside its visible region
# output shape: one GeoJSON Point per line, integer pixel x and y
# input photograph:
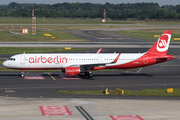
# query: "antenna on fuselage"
{"type": "Point", "coordinates": [24, 53]}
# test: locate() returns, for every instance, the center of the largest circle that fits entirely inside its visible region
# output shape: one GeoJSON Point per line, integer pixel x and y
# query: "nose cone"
{"type": "Point", "coordinates": [5, 64]}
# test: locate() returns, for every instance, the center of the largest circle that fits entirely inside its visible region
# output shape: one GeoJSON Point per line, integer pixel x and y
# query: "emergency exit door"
{"type": "Point", "coordinates": [145, 59]}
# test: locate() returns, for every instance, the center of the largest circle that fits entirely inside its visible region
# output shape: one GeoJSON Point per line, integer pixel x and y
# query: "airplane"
{"type": "Point", "coordinates": [74, 64]}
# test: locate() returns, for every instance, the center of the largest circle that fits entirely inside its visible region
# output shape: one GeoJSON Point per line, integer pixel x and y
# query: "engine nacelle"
{"type": "Point", "coordinates": [72, 71]}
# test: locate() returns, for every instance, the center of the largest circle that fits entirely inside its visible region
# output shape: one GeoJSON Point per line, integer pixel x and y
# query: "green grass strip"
{"type": "Point", "coordinates": [21, 50]}
{"type": "Point", "coordinates": [41, 20]}
{"type": "Point", "coordinates": [143, 92]}
{"type": "Point", "coordinates": [17, 36]}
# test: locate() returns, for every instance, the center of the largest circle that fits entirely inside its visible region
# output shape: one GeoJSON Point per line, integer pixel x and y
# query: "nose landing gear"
{"type": "Point", "coordinates": [22, 73]}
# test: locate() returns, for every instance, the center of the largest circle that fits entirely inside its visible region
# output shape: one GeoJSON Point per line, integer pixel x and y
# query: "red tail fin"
{"type": "Point", "coordinates": [161, 45]}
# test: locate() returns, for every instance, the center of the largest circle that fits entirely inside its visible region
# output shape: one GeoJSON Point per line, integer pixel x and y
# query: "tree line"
{"type": "Point", "coordinates": [139, 11]}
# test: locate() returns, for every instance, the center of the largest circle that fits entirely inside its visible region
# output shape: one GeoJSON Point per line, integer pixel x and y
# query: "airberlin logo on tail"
{"type": "Point", "coordinates": [163, 43]}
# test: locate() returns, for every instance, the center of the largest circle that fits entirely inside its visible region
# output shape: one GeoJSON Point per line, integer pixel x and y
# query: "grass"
{"type": "Point", "coordinates": [160, 22]}
{"type": "Point", "coordinates": [143, 92]}
{"type": "Point", "coordinates": [39, 20]}
{"type": "Point", "coordinates": [5, 36]}
{"type": "Point", "coordinates": [20, 50]}
{"type": "Point", "coordinates": [149, 34]}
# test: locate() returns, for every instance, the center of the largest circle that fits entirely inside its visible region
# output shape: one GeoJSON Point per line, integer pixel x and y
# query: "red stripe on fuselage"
{"type": "Point", "coordinates": [36, 68]}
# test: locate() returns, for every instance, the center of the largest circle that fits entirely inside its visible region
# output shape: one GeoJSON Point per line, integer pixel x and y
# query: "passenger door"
{"type": "Point", "coordinates": [22, 59]}
{"type": "Point", "coordinates": [100, 60]}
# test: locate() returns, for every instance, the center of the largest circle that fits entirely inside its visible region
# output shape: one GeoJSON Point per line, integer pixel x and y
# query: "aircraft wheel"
{"type": "Point", "coordinates": [22, 73]}
{"type": "Point", "coordinates": [86, 74]}
{"type": "Point", "coordinates": [90, 75]}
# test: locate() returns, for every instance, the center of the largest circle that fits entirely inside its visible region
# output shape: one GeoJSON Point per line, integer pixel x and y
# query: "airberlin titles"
{"type": "Point", "coordinates": [41, 59]}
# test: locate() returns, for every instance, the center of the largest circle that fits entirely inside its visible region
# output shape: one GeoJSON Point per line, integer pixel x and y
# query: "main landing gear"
{"type": "Point", "coordinates": [89, 74]}
{"type": "Point", "coordinates": [22, 73]}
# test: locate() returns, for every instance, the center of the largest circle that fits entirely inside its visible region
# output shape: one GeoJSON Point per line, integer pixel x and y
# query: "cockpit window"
{"type": "Point", "coordinates": [12, 59]}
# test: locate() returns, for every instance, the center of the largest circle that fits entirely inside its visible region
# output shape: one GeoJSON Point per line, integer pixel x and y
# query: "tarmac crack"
{"type": "Point", "coordinates": [109, 110]}
{"type": "Point", "coordinates": [126, 110]}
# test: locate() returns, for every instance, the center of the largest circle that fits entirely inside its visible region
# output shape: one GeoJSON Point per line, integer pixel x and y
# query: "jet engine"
{"type": "Point", "coordinates": [72, 71]}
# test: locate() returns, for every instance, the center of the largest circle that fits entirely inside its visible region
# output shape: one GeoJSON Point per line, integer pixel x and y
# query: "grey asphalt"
{"type": "Point", "coordinates": [20, 98]}
{"type": "Point", "coordinates": [86, 44]}
{"type": "Point", "coordinates": [23, 99]}
{"type": "Point", "coordinates": [149, 77]}
{"type": "Point", "coordinates": [98, 109]}
{"type": "Point", "coordinates": [162, 75]}
{"type": "Point", "coordinates": [104, 35]}
{"type": "Point", "coordinates": [87, 24]}
{"type": "Point", "coordinates": [107, 38]}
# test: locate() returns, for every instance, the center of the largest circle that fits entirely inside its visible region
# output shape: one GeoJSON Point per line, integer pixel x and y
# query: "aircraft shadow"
{"type": "Point", "coordinates": [12, 75]}
{"type": "Point", "coordinates": [124, 74]}
{"type": "Point", "coordinates": [85, 77]}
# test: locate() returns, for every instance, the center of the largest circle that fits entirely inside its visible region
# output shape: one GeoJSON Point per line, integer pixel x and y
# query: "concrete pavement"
{"type": "Point", "coordinates": [98, 109]}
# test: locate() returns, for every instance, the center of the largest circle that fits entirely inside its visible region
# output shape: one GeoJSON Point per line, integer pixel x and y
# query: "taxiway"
{"type": "Point", "coordinates": [21, 98]}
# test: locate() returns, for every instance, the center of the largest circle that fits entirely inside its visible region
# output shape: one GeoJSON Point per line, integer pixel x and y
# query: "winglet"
{"type": "Point", "coordinates": [99, 51]}
{"type": "Point", "coordinates": [116, 58]}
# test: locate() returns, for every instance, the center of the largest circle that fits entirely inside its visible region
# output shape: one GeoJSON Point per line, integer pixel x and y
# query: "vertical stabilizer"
{"type": "Point", "coordinates": [162, 44]}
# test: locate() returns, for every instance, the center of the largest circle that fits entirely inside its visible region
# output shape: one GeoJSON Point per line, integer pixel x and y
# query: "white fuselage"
{"type": "Point", "coordinates": [59, 61]}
